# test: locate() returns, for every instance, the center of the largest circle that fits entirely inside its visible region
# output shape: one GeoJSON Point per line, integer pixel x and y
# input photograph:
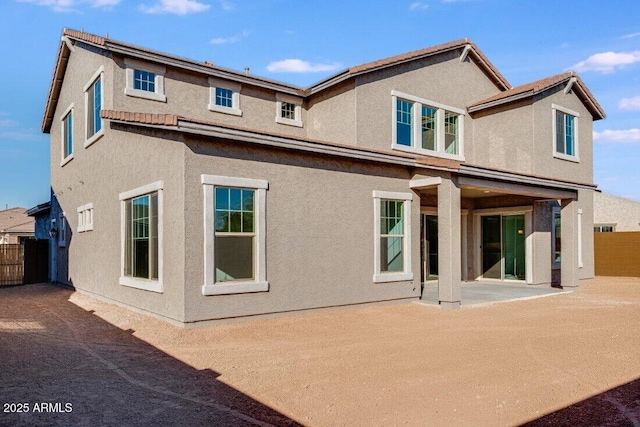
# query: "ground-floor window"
{"type": "Point", "coordinates": [392, 236]}
{"type": "Point", "coordinates": [142, 237]}
{"type": "Point", "coordinates": [235, 243]}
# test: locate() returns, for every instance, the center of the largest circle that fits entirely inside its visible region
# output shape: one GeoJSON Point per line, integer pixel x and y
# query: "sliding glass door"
{"type": "Point", "coordinates": [503, 247]}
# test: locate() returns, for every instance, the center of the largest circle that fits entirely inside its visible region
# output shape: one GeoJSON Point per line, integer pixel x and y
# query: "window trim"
{"type": "Point", "coordinates": [82, 225]}
{"type": "Point", "coordinates": [234, 110]}
{"type": "Point", "coordinates": [152, 285]}
{"type": "Point", "coordinates": [159, 71]}
{"type": "Point", "coordinates": [416, 126]}
{"type": "Point", "coordinates": [98, 75]}
{"type": "Point", "coordinates": [576, 146]}
{"type": "Point", "coordinates": [556, 210]}
{"type": "Point", "coordinates": [62, 231]}
{"type": "Point", "coordinates": [69, 111]}
{"type": "Point", "coordinates": [406, 274]}
{"type": "Point", "coordinates": [280, 98]}
{"type": "Point", "coordinates": [260, 284]}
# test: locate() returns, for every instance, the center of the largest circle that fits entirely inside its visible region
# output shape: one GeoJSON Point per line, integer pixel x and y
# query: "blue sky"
{"type": "Point", "coordinates": [301, 42]}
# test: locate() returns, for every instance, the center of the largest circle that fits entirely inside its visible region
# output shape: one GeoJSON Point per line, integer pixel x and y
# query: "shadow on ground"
{"type": "Point", "coordinates": [616, 407]}
{"type": "Point", "coordinates": [53, 352]}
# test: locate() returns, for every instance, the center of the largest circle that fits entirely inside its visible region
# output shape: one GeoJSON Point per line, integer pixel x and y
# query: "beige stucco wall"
{"type": "Point", "coordinates": [611, 210]}
{"type": "Point", "coordinates": [332, 115]}
{"type": "Point", "coordinates": [320, 243]}
{"type": "Point", "coordinates": [443, 79]}
{"type": "Point", "coordinates": [188, 96]}
{"type": "Point", "coordinates": [117, 162]}
{"type": "Point", "coordinates": [544, 163]}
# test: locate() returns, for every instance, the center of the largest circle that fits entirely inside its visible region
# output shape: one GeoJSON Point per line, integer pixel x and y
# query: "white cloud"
{"type": "Point", "coordinates": [627, 135]}
{"type": "Point", "coordinates": [231, 39]}
{"type": "Point", "coordinates": [10, 130]}
{"type": "Point", "coordinates": [416, 5]}
{"type": "Point", "coordinates": [300, 66]}
{"type": "Point", "coordinates": [630, 36]}
{"type": "Point", "coordinates": [608, 62]}
{"type": "Point", "coordinates": [178, 7]}
{"type": "Point", "coordinates": [227, 5]}
{"type": "Point", "coordinates": [630, 103]}
{"type": "Point", "coordinates": [66, 6]}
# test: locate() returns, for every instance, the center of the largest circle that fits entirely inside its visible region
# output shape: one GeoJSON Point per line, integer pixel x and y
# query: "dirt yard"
{"type": "Point", "coordinates": [570, 359]}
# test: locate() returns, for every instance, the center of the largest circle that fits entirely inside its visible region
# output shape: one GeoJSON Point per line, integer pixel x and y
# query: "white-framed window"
{"type": "Point", "coordinates": [392, 236]}
{"type": "Point", "coordinates": [93, 104]}
{"type": "Point", "coordinates": [565, 133]}
{"type": "Point", "coordinates": [141, 237]}
{"type": "Point", "coordinates": [85, 218]}
{"type": "Point", "coordinates": [604, 228]}
{"type": "Point", "coordinates": [580, 263]}
{"type": "Point", "coordinates": [62, 230]}
{"type": "Point", "coordinates": [288, 110]}
{"type": "Point", "coordinates": [224, 97]}
{"type": "Point", "coordinates": [145, 80]}
{"type": "Point", "coordinates": [66, 132]}
{"type": "Point", "coordinates": [427, 127]}
{"type": "Point", "coordinates": [556, 236]}
{"type": "Point", "coordinates": [235, 235]}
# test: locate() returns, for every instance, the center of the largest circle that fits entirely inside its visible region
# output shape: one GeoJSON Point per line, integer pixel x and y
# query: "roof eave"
{"type": "Point", "coordinates": [59, 70]}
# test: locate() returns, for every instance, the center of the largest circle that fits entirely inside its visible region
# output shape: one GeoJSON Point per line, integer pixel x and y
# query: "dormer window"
{"type": "Point", "coordinates": [288, 110]}
{"type": "Point", "coordinates": [145, 80]}
{"type": "Point", "coordinates": [224, 97]}
{"type": "Point", "coordinates": [427, 127]}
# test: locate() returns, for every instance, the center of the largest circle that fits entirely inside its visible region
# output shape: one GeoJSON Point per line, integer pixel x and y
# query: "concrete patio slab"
{"type": "Point", "coordinates": [479, 293]}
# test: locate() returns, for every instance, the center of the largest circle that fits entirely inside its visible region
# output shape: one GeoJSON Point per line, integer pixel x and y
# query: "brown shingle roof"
{"type": "Point", "coordinates": [14, 220]}
{"type": "Point", "coordinates": [538, 86]}
{"type": "Point", "coordinates": [81, 35]}
{"type": "Point", "coordinates": [173, 120]}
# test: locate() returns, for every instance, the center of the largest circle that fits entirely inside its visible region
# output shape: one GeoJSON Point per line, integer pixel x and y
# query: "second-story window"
{"type": "Point", "coordinates": [93, 105]}
{"type": "Point", "coordinates": [145, 80]}
{"type": "Point", "coordinates": [224, 97]}
{"type": "Point", "coordinates": [288, 110]}
{"type": "Point", "coordinates": [66, 152]}
{"type": "Point", "coordinates": [565, 133]}
{"type": "Point", "coordinates": [427, 127]}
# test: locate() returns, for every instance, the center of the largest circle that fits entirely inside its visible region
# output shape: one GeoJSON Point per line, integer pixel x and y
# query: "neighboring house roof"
{"type": "Point", "coordinates": [14, 221]}
{"type": "Point", "coordinates": [210, 69]}
{"type": "Point", "coordinates": [530, 89]}
{"type": "Point", "coordinates": [211, 128]}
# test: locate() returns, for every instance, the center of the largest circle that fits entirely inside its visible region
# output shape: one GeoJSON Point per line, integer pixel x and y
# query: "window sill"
{"type": "Point", "coordinates": [66, 160]}
{"type": "Point", "coordinates": [288, 122]}
{"type": "Point", "coordinates": [424, 152]}
{"type": "Point", "coordinates": [146, 95]}
{"type": "Point", "coordinates": [96, 136]}
{"type": "Point", "coordinates": [145, 285]}
{"type": "Point", "coordinates": [85, 228]}
{"type": "Point", "coordinates": [392, 277]}
{"type": "Point", "coordinates": [235, 288]}
{"type": "Point", "coordinates": [225, 110]}
{"type": "Point", "coordinates": [561, 156]}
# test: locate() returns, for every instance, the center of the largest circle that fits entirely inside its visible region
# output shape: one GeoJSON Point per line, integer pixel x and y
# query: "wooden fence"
{"type": "Point", "coordinates": [11, 264]}
{"type": "Point", "coordinates": [617, 254]}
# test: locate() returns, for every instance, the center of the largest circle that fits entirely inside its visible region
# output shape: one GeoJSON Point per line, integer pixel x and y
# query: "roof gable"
{"type": "Point", "coordinates": [531, 89]}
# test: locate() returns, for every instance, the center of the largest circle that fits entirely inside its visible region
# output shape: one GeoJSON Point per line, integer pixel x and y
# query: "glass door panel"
{"type": "Point", "coordinates": [491, 247]}
{"type": "Point", "coordinates": [513, 246]}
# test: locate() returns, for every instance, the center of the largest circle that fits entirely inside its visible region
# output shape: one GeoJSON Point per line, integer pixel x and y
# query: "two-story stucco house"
{"type": "Point", "coordinates": [197, 193]}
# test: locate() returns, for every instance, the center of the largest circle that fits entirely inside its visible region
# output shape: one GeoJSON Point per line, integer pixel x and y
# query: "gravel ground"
{"type": "Point", "coordinates": [570, 359]}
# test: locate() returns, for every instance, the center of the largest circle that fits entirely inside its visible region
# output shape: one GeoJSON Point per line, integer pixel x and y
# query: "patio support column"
{"type": "Point", "coordinates": [449, 265]}
{"type": "Point", "coordinates": [569, 243]}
